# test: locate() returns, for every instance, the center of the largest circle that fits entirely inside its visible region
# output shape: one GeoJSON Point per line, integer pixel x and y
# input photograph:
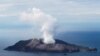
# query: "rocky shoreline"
{"type": "Point", "coordinates": [36, 45]}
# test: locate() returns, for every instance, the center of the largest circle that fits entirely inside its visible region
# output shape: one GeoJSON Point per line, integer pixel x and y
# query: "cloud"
{"type": "Point", "coordinates": [56, 7]}
{"type": "Point", "coordinates": [11, 9]}
{"type": "Point", "coordinates": [66, 11]}
{"type": "Point", "coordinates": [3, 7]}
{"type": "Point", "coordinates": [70, 7]}
{"type": "Point", "coordinates": [77, 8]}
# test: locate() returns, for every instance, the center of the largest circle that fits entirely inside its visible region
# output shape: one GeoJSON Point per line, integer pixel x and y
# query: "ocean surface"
{"type": "Point", "coordinates": [89, 39]}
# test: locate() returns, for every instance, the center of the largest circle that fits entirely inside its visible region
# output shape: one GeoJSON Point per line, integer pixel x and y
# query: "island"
{"type": "Point", "coordinates": [37, 45]}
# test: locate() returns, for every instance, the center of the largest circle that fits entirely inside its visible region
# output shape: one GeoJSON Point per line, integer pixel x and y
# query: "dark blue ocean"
{"type": "Point", "coordinates": [89, 39]}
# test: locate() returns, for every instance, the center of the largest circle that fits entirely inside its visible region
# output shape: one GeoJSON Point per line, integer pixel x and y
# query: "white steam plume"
{"type": "Point", "coordinates": [47, 23]}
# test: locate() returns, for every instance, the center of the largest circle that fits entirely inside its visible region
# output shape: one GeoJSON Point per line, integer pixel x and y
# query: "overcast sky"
{"type": "Point", "coordinates": [71, 14]}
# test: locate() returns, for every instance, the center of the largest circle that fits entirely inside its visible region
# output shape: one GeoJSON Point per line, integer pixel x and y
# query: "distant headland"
{"type": "Point", "coordinates": [37, 45]}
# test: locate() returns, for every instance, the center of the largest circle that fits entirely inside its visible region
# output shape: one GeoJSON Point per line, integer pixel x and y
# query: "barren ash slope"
{"type": "Point", "coordinates": [37, 45]}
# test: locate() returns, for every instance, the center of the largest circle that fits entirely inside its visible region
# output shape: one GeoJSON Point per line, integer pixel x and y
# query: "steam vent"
{"type": "Point", "coordinates": [37, 45]}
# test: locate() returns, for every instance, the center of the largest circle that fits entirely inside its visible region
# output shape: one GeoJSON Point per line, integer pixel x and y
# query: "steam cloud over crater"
{"type": "Point", "coordinates": [47, 23]}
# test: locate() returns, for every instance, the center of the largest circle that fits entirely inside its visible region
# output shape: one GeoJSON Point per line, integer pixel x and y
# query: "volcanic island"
{"type": "Point", "coordinates": [37, 45]}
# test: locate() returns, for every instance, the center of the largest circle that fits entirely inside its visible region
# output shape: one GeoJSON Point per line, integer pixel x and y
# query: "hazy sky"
{"type": "Point", "coordinates": [72, 15]}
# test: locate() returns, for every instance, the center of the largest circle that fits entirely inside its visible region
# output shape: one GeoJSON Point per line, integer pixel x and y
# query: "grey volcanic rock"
{"type": "Point", "coordinates": [36, 45]}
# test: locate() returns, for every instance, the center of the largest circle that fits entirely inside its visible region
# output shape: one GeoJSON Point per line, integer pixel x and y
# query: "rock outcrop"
{"type": "Point", "coordinates": [36, 45]}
